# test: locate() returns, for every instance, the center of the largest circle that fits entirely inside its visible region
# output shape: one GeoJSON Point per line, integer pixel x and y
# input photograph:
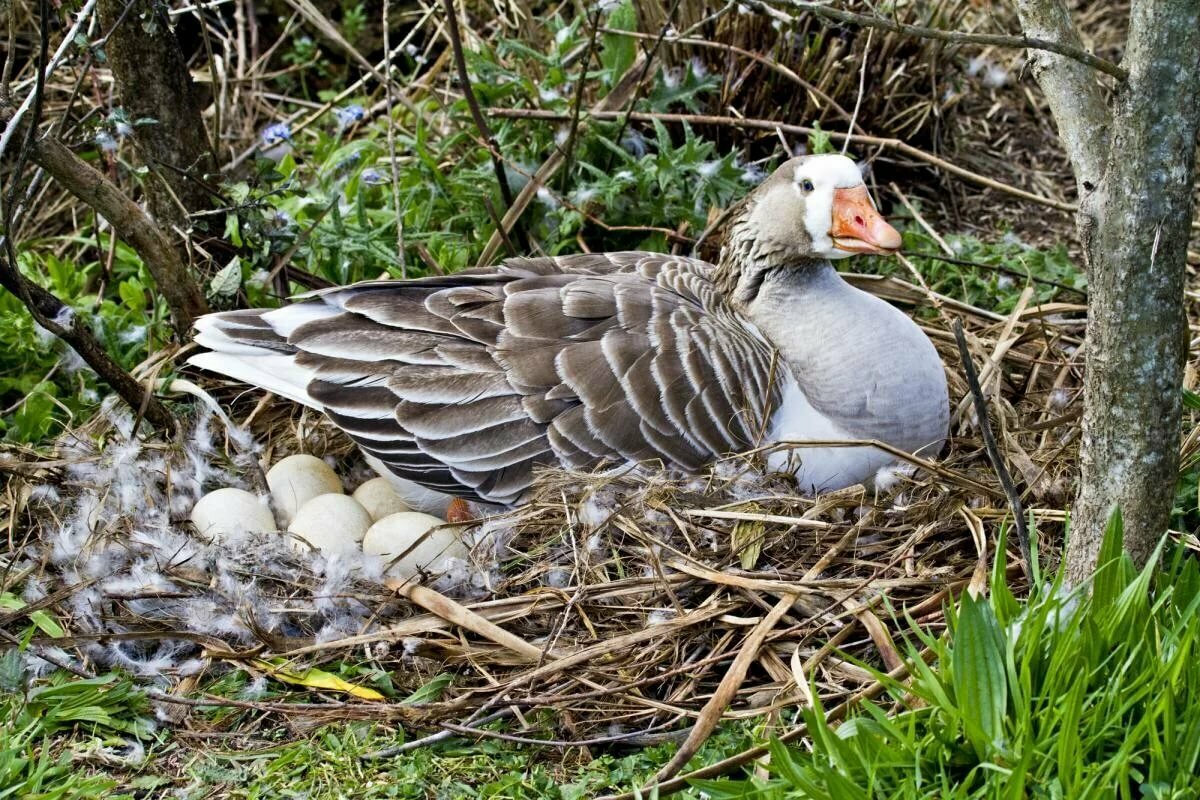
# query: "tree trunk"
{"type": "Point", "coordinates": [153, 82]}
{"type": "Point", "coordinates": [1075, 99]}
{"type": "Point", "coordinates": [1136, 227]}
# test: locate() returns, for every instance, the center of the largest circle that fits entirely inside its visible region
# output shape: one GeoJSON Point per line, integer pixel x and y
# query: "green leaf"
{"type": "Point", "coordinates": [1108, 581]}
{"type": "Point", "coordinates": [819, 141]}
{"type": "Point", "coordinates": [226, 283]}
{"type": "Point", "coordinates": [618, 52]}
{"type": "Point", "coordinates": [45, 623]}
{"type": "Point", "coordinates": [979, 680]}
{"type": "Point", "coordinates": [430, 692]}
{"type": "Point", "coordinates": [233, 229]}
{"type": "Point", "coordinates": [132, 295]}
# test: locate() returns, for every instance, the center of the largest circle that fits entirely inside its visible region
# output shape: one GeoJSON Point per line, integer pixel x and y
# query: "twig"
{"type": "Point", "coordinates": [749, 516]}
{"type": "Point", "coordinates": [920, 219]}
{"type": "Point", "coordinates": [171, 275]}
{"type": "Point", "coordinates": [616, 98]}
{"type": "Point", "coordinates": [460, 61]}
{"type": "Point", "coordinates": [45, 655]}
{"type": "Point", "coordinates": [769, 63]}
{"type": "Point", "coordinates": [954, 37]}
{"type": "Point", "coordinates": [993, 452]}
{"type": "Point", "coordinates": [924, 463]}
{"type": "Point", "coordinates": [562, 743]}
{"type": "Point", "coordinates": [1016, 273]}
{"type": "Point", "coordinates": [648, 56]}
{"type": "Point", "coordinates": [68, 40]}
{"type": "Point", "coordinates": [434, 738]}
{"type": "Point", "coordinates": [862, 83]}
{"type": "Point", "coordinates": [462, 616]}
{"type": "Point", "coordinates": [391, 140]}
{"type": "Point", "coordinates": [711, 714]}
{"type": "Point", "coordinates": [577, 102]}
{"type": "Point", "coordinates": [799, 130]}
{"type": "Point", "coordinates": [500, 229]}
{"type": "Point", "coordinates": [746, 756]}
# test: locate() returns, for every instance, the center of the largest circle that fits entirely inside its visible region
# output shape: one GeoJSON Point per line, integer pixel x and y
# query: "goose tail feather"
{"type": "Point", "coordinates": [246, 346]}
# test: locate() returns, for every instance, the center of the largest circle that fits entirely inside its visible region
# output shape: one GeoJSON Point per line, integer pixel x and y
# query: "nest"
{"type": "Point", "coordinates": [620, 603]}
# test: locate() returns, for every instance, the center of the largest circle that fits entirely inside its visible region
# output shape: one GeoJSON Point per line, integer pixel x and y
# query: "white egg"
{"type": "Point", "coordinates": [230, 512]}
{"type": "Point", "coordinates": [297, 479]}
{"type": "Point", "coordinates": [332, 523]}
{"type": "Point", "coordinates": [403, 532]}
{"type": "Point", "coordinates": [379, 498]}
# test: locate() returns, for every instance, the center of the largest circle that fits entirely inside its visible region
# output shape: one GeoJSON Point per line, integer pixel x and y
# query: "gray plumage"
{"type": "Point", "coordinates": [464, 384]}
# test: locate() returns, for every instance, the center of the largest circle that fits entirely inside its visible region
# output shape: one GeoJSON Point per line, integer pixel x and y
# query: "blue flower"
{"type": "Point", "coordinates": [276, 134]}
{"type": "Point", "coordinates": [348, 115]}
{"type": "Point", "coordinates": [106, 142]}
{"type": "Point", "coordinates": [373, 177]}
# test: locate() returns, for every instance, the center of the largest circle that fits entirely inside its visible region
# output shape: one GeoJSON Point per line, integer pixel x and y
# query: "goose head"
{"type": "Point", "coordinates": [819, 207]}
{"type": "Point", "coordinates": [811, 209]}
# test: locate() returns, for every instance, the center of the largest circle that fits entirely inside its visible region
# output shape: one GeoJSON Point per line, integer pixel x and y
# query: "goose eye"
{"type": "Point", "coordinates": [806, 185]}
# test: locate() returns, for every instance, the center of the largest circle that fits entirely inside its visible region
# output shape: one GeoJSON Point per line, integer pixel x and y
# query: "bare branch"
{"type": "Point", "coordinates": [13, 123]}
{"type": "Point", "coordinates": [460, 62]}
{"type": "Point", "coordinates": [50, 312]}
{"type": "Point", "coordinates": [131, 224]}
{"type": "Point", "coordinates": [1075, 99]}
{"type": "Point", "coordinates": [1066, 49]}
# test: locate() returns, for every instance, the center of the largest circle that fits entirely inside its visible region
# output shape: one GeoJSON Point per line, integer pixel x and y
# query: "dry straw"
{"type": "Point", "coordinates": [620, 602]}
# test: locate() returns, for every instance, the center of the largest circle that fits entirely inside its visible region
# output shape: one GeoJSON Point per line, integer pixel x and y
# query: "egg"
{"type": "Point", "coordinates": [397, 533]}
{"type": "Point", "coordinates": [332, 523]}
{"type": "Point", "coordinates": [297, 479]}
{"type": "Point", "coordinates": [230, 512]}
{"type": "Point", "coordinates": [379, 498]}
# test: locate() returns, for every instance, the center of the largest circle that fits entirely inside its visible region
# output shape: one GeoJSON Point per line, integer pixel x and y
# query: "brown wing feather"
{"type": "Point", "coordinates": [466, 382]}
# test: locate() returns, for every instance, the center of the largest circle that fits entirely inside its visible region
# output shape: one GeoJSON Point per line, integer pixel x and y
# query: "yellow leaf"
{"type": "Point", "coordinates": [315, 678]}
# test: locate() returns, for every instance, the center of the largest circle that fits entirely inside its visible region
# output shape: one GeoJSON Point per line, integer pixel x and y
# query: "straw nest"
{"type": "Point", "coordinates": [617, 602]}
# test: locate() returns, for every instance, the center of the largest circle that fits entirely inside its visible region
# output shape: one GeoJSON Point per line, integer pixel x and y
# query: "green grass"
{"type": "Point", "coordinates": [330, 764]}
{"type": "Point", "coordinates": [52, 742]}
{"type": "Point", "coordinates": [1059, 696]}
{"type": "Point", "coordinates": [45, 728]}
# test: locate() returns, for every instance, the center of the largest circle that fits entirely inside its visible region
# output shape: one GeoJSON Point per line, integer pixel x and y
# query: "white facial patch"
{"type": "Point", "coordinates": [825, 173]}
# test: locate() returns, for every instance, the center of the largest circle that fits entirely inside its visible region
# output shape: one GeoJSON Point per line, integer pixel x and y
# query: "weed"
{"type": "Point", "coordinates": [1062, 695]}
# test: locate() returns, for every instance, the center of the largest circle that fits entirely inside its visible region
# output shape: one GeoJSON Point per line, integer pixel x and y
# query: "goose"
{"type": "Point", "coordinates": [459, 386]}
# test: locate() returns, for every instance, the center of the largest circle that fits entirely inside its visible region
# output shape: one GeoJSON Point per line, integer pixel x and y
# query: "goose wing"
{"type": "Point", "coordinates": [465, 383]}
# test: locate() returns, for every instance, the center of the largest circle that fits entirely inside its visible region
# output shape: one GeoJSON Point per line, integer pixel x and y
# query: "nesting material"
{"type": "Point", "coordinates": [297, 479]}
{"type": "Point", "coordinates": [330, 523]}
{"type": "Point", "coordinates": [379, 498]}
{"type": "Point", "coordinates": [637, 569]}
{"type": "Point", "coordinates": [231, 512]}
{"type": "Point", "coordinates": [413, 544]}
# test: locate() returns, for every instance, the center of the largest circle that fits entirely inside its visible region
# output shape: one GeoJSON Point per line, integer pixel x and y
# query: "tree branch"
{"type": "Point", "coordinates": [1074, 97]}
{"type": "Point", "coordinates": [50, 312]}
{"type": "Point", "coordinates": [131, 224]}
{"type": "Point", "coordinates": [1062, 48]}
{"type": "Point", "coordinates": [460, 61]}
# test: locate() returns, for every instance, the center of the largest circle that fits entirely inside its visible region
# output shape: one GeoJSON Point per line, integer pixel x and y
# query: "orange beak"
{"type": "Point", "coordinates": [857, 226]}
